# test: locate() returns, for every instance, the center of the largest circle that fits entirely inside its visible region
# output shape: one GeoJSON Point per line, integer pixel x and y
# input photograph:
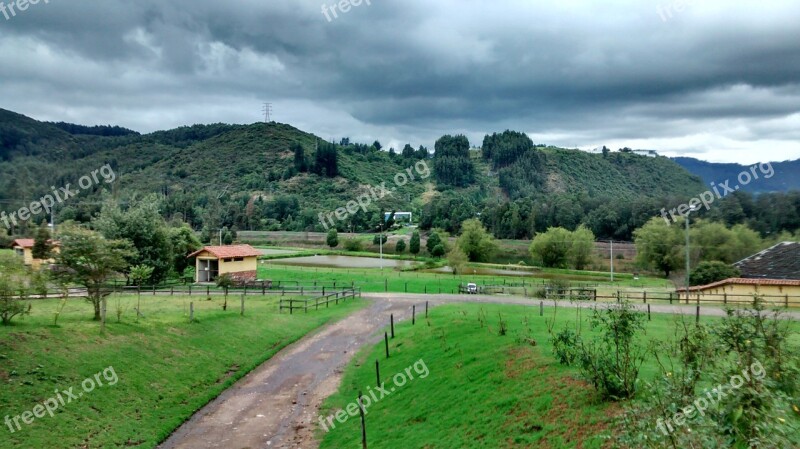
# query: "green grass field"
{"type": "Point", "coordinates": [483, 390]}
{"type": "Point", "coordinates": [375, 280]}
{"type": "Point", "coordinates": [166, 367]}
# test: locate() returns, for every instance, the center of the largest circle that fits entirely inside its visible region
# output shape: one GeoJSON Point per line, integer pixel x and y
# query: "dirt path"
{"type": "Point", "coordinates": [277, 405]}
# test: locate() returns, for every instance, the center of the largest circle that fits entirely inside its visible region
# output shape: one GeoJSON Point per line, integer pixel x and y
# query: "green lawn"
{"type": "Point", "coordinates": [483, 389]}
{"type": "Point", "coordinates": [375, 280]}
{"type": "Point", "coordinates": [166, 367]}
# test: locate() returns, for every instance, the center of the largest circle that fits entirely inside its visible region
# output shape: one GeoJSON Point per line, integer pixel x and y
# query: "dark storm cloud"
{"type": "Point", "coordinates": [716, 79]}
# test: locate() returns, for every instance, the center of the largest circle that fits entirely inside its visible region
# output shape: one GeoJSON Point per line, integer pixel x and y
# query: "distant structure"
{"type": "Point", "coordinates": [267, 112]}
{"type": "Point", "coordinates": [399, 216]}
{"type": "Point", "coordinates": [648, 153]}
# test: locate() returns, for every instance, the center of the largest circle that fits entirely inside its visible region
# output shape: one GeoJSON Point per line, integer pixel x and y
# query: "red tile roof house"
{"type": "Point", "coordinates": [240, 261]}
{"type": "Point", "coordinates": [24, 249]}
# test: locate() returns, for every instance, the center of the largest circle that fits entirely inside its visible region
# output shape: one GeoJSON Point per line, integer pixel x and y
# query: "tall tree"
{"type": "Point", "coordinates": [42, 246]}
{"type": "Point", "coordinates": [414, 245]}
{"type": "Point", "coordinates": [659, 245]}
{"type": "Point", "coordinates": [88, 259]}
{"type": "Point", "coordinates": [300, 163]}
{"type": "Point", "coordinates": [476, 242]}
{"type": "Point", "coordinates": [141, 224]}
{"type": "Point", "coordinates": [552, 247]}
{"type": "Point", "coordinates": [582, 248]}
{"type": "Point", "coordinates": [326, 160]}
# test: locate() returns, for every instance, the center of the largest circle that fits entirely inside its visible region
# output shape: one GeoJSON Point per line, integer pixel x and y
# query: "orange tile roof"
{"type": "Point", "coordinates": [227, 252]}
{"type": "Point", "coordinates": [748, 281]}
{"type": "Point", "coordinates": [28, 243]}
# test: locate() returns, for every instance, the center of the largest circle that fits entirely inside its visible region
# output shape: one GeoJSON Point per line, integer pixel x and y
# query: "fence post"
{"type": "Point", "coordinates": [386, 285]}
{"type": "Point", "coordinates": [541, 308]}
{"type": "Point", "coordinates": [378, 372]}
{"type": "Point", "coordinates": [697, 318]}
{"type": "Point", "coordinates": [363, 422]}
{"type": "Point", "coordinates": [386, 341]}
{"type": "Point", "coordinates": [426, 309]}
{"type": "Point", "coordinates": [648, 312]}
{"type": "Point", "coordinates": [413, 315]}
{"type": "Point", "coordinates": [190, 289]}
{"type": "Point", "coordinates": [191, 312]}
{"type": "Point", "coordinates": [644, 294]}
{"type": "Point", "coordinates": [391, 318]}
{"type": "Point", "coordinates": [208, 290]}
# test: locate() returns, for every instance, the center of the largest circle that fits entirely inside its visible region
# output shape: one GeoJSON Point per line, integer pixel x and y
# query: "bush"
{"type": "Point", "coordinates": [352, 245]}
{"type": "Point", "coordinates": [710, 272]}
{"type": "Point", "coordinates": [13, 284]}
{"type": "Point", "coordinates": [611, 362]}
{"type": "Point", "coordinates": [378, 237]}
{"type": "Point", "coordinates": [565, 346]}
{"type": "Point", "coordinates": [438, 251]}
{"type": "Point", "coordinates": [751, 345]}
{"type": "Point", "coordinates": [400, 248]}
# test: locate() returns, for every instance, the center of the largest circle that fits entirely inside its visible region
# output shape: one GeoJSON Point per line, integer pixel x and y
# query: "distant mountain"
{"type": "Point", "coordinates": [785, 178]}
{"type": "Point", "coordinates": [246, 176]}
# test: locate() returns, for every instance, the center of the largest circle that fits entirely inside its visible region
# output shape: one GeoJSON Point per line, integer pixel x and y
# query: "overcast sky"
{"type": "Point", "coordinates": [714, 80]}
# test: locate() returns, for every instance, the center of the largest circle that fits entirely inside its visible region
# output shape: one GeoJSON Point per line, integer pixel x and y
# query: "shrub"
{"type": "Point", "coordinates": [438, 251]}
{"type": "Point", "coordinates": [611, 362]}
{"type": "Point", "coordinates": [352, 245]}
{"type": "Point", "coordinates": [400, 248]}
{"type": "Point", "coordinates": [565, 346]}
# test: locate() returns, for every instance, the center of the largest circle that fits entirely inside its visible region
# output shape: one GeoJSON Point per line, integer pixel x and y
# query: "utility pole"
{"type": "Point", "coordinates": [267, 112]}
{"type": "Point", "coordinates": [688, 261]}
{"type": "Point", "coordinates": [612, 261]}
{"type": "Point", "coordinates": [52, 223]}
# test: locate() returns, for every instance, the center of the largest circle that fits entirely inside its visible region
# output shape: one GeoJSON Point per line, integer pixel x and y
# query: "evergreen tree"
{"type": "Point", "coordinates": [42, 246]}
{"type": "Point", "coordinates": [414, 246]}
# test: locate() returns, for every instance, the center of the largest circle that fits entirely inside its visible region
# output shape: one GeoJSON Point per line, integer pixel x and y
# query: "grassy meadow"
{"type": "Point", "coordinates": [483, 389]}
{"type": "Point", "coordinates": [376, 280]}
{"type": "Point", "coordinates": [167, 367]}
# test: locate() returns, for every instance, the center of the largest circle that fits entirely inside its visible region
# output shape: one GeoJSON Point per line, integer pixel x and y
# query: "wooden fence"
{"type": "Point", "coordinates": [291, 304]}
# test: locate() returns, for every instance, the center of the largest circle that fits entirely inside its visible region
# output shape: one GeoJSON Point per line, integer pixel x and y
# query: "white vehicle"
{"type": "Point", "coordinates": [472, 288]}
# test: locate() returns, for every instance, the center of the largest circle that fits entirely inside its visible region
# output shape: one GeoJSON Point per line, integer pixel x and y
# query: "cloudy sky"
{"type": "Point", "coordinates": [708, 79]}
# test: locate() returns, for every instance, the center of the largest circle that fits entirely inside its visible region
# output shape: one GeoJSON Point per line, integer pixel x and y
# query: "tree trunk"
{"type": "Point", "coordinates": [96, 303]}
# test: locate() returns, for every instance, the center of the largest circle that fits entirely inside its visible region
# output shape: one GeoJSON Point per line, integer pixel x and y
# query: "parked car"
{"type": "Point", "coordinates": [472, 288]}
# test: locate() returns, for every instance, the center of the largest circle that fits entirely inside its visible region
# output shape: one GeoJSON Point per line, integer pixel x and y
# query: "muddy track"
{"type": "Point", "coordinates": [277, 405]}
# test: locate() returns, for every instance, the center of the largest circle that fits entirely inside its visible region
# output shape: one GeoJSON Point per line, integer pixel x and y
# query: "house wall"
{"type": "Point", "coordinates": [746, 290]}
{"type": "Point", "coordinates": [248, 264]}
{"type": "Point", "coordinates": [244, 270]}
{"type": "Point", "coordinates": [27, 257]}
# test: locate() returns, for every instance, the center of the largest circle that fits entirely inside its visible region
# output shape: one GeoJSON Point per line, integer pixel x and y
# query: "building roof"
{"type": "Point", "coordinates": [227, 252]}
{"type": "Point", "coordinates": [782, 261]}
{"type": "Point", "coordinates": [743, 281]}
{"type": "Point", "coordinates": [28, 243]}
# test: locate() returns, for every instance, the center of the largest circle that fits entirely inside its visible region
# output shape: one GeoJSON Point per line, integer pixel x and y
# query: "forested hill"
{"type": "Point", "coordinates": [273, 176]}
{"type": "Point", "coordinates": [786, 177]}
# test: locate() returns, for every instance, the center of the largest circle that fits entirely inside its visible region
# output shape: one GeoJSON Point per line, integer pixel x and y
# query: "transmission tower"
{"type": "Point", "coordinates": [267, 112]}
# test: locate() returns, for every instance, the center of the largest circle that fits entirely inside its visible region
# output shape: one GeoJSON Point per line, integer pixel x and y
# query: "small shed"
{"type": "Point", "coordinates": [24, 249]}
{"type": "Point", "coordinates": [240, 261]}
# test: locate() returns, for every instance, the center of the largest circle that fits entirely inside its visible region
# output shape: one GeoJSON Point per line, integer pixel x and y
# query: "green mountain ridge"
{"type": "Point", "coordinates": [243, 176]}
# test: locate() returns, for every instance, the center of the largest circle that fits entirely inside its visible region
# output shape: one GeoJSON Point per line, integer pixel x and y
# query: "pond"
{"type": "Point", "coordinates": [342, 262]}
